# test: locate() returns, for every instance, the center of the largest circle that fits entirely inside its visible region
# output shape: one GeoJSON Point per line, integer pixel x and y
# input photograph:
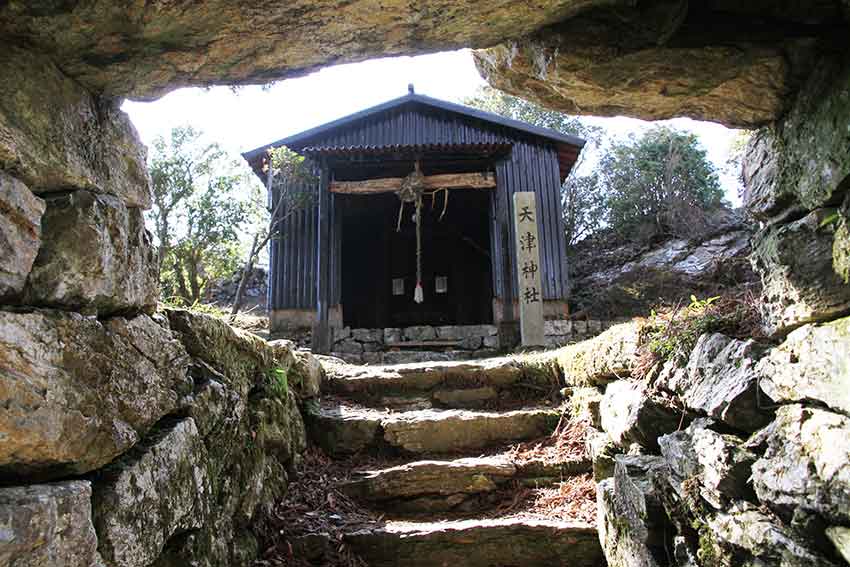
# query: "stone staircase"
{"type": "Point", "coordinates": [447, 495]}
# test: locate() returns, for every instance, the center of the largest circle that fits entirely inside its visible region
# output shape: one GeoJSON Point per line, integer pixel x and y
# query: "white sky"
{"type": "Point", "coordinates": [254, 116]}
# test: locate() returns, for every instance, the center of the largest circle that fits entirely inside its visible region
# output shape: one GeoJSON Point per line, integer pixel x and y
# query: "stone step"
{"type": "Point", "coordinates": [479, 543]}
{"type": "Point", "coordinates": [459, 384]}
{"type": "Point", "coordinates": [458, 487]}
{"type": "Point", "coordinates": [343, 429]}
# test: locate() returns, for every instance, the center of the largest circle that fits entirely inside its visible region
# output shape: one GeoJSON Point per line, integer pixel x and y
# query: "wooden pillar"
{"type": "Point", "coordinates": [530, 290]}
{"type": "Point", "coordinates": [321, 342]}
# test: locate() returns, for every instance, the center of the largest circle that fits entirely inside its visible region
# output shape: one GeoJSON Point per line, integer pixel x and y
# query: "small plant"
{"type": "Point", "coordinates": [672, 333]}
{"type": "Point", "coordinates": [279, 382]}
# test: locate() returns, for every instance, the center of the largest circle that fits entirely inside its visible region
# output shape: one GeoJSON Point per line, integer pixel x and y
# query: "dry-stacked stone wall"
{"type": "Point", "coordinates": [449, 342]}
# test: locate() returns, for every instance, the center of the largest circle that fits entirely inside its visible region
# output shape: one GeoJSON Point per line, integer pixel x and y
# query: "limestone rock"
{"type": "Point", "coordinates": [465, 398]}
{"type": "Point", "coordinates": [478, 543]}
{"type": "Point", "coordinates": [813, 364]}
{"type": "Point", "coordinates": [720, 380]}
{"type": "Point", "coordinates": [133, 52]}
{"type": "Point", "coordinates": [779, 164]}
{"type": "Point", "coordinates": [630, 413]}
{"type": "Point", "coordinates": [242, 358]}
{"type": "Point", "coordinates": [341, 429]}
{"type": "Point", "coordinates": [600, 359]}
{"type": "Point", "coordinates": [795, 262]}
{"type": "Point", "coordinates": [746, 536]}
{"type": "Point", "coordinates": [630, 518]}
{"type": "Point", "coordinates": [78, 392]}
{"type": "Point", "coordinates": [55, 135]}
{"type": "Point", "coordinates": [805, 465]}
{"type": "Point", "coordinates": [310, 374]}
{"type": "Point", "coordinates": [585, 403]}
{"type": "Point", "coordinates": [420, 333]}
{"type": "Point", "coordinates": [602, 452]}
{"type": "Point", "coordinates": [840, 538]}
{"type": "Point", "coordinates": [368, 335]}
{"type": "Point", "coordinates": [656, 62]}
{"type": "Point", "coordinates": [96, 256]}
{"type": "Point", "coordinates": [363, 383]}
{"type": "Point", "coordinates": [433, 431]}
{"type": "Point", "coordinates": [20, 233]}
{"type": "Point", "coordinates": [719, 461]}
{"type": "Point", "coordinates": [432, 478]}
{"type": "Point", "coordinates": [47, 525]}
{"type": "Point", "coordinates": [161, 488]}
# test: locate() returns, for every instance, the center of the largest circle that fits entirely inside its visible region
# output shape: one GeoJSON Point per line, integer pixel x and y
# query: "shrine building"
{"type": "Point", "coordinates": [415, 193]}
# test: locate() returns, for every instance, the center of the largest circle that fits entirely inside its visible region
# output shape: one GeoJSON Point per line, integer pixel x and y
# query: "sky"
{"type": "Point", "coordinates": [252, 116]}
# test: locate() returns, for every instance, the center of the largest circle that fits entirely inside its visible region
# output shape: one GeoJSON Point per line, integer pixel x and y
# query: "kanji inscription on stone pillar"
{"type": "Point", "coordinates": [528, 269]}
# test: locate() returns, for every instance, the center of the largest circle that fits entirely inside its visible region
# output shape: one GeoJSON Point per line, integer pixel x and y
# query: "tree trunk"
{"type": "Point", "coordinates": [243, 281]}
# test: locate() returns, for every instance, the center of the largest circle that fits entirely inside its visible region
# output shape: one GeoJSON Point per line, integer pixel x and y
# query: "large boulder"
{"type": "Point", "coordinates": [744, 535]}
{"type": "Point", "coordinates": [632, 413]}
{"type": "Point", "coordinates": [601, 359]}
{"type": "Point", "coordinates": [96, 257]}
{"type": "Point", "coordinates": [720, 380]}
{"type": "Point", "coordinates": [803, 161]}
{"type": "Point", "coordinates": [48, 525]}
{"type": "Point", "coordinates": [161, 488]}
{"type": "Point", "coordinates": [20, 233]}
{"type": "Point", "coordinates": [134, 51]}
{"type": "Point", "coordinates": [720, 463]}
{"type": "Point", "coordinates": [78, 392]}
{"type": "Point", "coordinates": [55, 135]}
{"type": "Point", "coordinates": [796, 265]}
{"type": "Point", "coordinates": [805, 465]}
{"type": "Point", "coordinates": [242, 358]}
{"type": "Point", "coordinates": [812, 365]}
{"type": "Point", "coordinates": [630, 515]}
{"type": "Point", "coordinates": [660, 60]}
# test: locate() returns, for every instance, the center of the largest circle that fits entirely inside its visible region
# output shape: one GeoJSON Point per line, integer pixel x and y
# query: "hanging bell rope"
{"type": "Point", "coordinates": [411, 190]}
{"type": "Point", "coordinates": [418, 293]}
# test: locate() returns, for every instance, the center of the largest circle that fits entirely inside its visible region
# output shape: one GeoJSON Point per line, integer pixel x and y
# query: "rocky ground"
{"type": "Point", "coordinates": [614, 276]}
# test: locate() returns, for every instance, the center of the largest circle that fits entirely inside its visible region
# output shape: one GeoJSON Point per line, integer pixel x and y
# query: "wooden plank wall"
{"type": "Point", "coordinates": [532, 166]}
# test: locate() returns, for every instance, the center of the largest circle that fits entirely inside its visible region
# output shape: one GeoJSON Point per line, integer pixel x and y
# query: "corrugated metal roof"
{"type": "Point", "coordinates": [412, 98]}
{"type": "Point", "coordinates": [470, 148]}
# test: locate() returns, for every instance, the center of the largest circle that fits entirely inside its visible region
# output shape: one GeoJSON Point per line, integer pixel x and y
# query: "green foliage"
{"type": "Point", "coordinates": [279, 382]}
{"type": "Point", "coordinates": [200, 207]}
{"type": "Point", "coordinates": [581, 200]}
{"type": "Point", "coordinates": [660, 183]}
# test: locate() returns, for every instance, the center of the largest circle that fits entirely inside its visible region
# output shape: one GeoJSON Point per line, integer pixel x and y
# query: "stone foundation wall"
{"type": "Point", "coordinates": [451, 342]}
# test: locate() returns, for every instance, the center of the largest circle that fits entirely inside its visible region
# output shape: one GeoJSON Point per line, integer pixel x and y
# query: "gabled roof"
{"type": "Point", "coordinates": [474, 113]}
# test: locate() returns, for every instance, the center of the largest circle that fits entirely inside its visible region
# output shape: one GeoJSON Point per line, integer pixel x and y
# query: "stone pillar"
{"type": "Point", "coordinates": [528, 270]}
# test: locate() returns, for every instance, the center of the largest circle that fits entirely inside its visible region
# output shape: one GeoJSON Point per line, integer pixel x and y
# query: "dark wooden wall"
{"type": "Point", "coordinates": [531, 166]}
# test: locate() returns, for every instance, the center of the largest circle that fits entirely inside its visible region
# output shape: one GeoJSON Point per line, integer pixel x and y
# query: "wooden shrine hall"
{"type": "Point", "coordinates": [411, 223]}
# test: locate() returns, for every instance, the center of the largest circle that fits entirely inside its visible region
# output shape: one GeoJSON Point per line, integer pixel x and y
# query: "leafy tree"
{"type": "Point", "coordinates": [289, 186]}
{"type": "Point", "coordinates": [198, 212]}
{"type": "Point", "coordinates": [580, 197]}
{"type": "Point", "coordinates": [659, 183]}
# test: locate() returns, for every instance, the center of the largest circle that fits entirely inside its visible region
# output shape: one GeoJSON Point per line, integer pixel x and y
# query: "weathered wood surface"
{"type": "Point", "coordinates": [432, 182]}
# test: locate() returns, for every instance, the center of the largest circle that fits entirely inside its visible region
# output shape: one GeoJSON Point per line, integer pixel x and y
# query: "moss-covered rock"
{"type": "Point", "coordinates": [95, 257]}
{"type": "Point", "coordinates": [805, 465]}
{"type": "Point", "coordinates": [796, 265]}
{"type": "Point", "coordinates": [603, 358]}
{"type": "Point", "coordinates": [78, 392]}
{"type": "Point", "coordinates": [55, 135]}
{"type": "Point", "coordinates": [812, 365]}
{"type": "Point", "coordinates": [242, 358]}
{"type": "Point", "coordinates": [48, 524]}
{"type": "Point", "coordinates": [659, 61]}
{"type": "Point", "coordinates": [160, 489]}
{"type": "Point", "coordinates": [20, 233]}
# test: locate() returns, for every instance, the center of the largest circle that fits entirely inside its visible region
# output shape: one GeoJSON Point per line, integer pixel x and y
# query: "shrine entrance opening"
{"type": "Point", "coordinates": [379, 262]}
